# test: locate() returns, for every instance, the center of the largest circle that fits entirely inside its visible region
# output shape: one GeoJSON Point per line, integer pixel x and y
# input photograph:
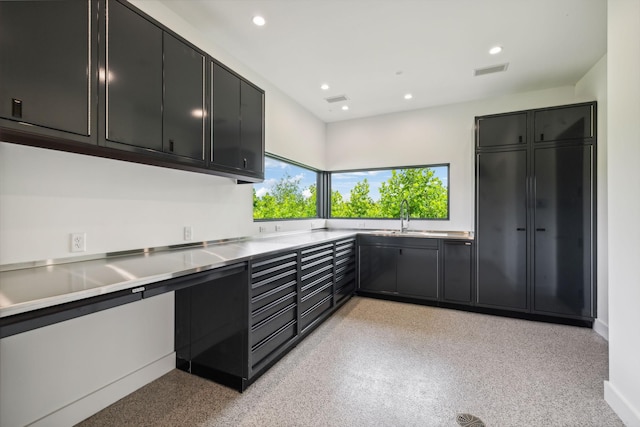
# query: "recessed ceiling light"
{"type": "Point", "coordinates": [408, 96]}
{"type": "Point", "coordinates": [495, 50]}
{"type": "Point", "coordinates": [259, 20]}
{"type": "Point", "coordinates": [324, 86]}
{"type": "Point", "coordinates": [345, 107]}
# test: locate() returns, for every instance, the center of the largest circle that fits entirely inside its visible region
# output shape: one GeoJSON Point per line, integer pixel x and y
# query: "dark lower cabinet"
{"type": "Point", "coordinates": [236, 325]}
{"type": "Point", "coordinates": [417, 272]}
{"type": "Point", "coordinates": [399, 266]}
{"type": "Point", "coordinates": [457, 273]}
{"type": "Point", "coordinates": [377, 267]}
{"type": "Point", "coordinates": [46, 62]}
{"type": "Point", "coordinates": [345, 269]}
{"type": "Point", "coordinates": [211, 326]}
{"type": "Point", "coordinates": [316, 283]}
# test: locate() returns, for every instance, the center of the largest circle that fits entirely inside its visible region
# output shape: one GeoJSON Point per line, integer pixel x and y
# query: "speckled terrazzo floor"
{"type": "Point", "coordinates": [381, 363]}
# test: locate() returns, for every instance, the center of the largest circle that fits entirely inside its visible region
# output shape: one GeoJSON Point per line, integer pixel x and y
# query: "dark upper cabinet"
{"type": "Point", "coordinates": [238, 123]}
{"type": "Point", "coordinates": [501, 209]}
{"type": "Point", "coordinates": [252, 128]}
{"type": "Point", "coordinates": [225, 126]}
{"type": "Point", "coordinates": [508, 129]}
{"type": "Point", "coordinates": [566, 123]}
{"type": "Point", "coordinates": [563, 234]}
{"type": "Point", "coordinates": [183, 124]}
{"type": "Point", "coordinates": [457, 280]}
{"type": "Point", "coordinates": [417, 272]}
{"type": "Point", "coordinates": [47, 65]}
{"type": "Point", "coordinates": [133, 79]}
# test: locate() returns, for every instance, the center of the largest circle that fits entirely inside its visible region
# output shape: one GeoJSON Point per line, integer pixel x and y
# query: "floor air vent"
{"type": "Point", "coordinates": [468, 420]}
{"type": "Point", "coordinates": [490, 70]}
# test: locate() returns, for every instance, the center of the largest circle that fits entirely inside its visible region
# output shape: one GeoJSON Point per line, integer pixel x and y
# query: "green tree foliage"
{"type": "Point", "coordinates": [426, 194]}
{"type": "Point", "coordinates": [286, 199]}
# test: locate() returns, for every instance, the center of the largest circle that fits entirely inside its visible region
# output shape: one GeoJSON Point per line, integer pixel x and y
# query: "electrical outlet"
{"type": "Point", "coordinates": [278, 228]}
{"type": "Point", "coordinates": [78, 242]}
{"type": "Point", "coordinates": [188, 232]}
{"type": "Point", "coordinates": [361, 224]}
{"type": "Point", "coordinates": [262, 229]}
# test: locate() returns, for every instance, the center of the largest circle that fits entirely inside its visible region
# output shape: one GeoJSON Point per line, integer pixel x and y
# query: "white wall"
{"type": "Point", "coordinates": [594, 86]}
{"type": "Point", "coordinates": [622, 391]}
{"type": "Point", "coordinates": [46, 195]}
{"type": "Point", "coordinates": [430, 136]}
{"type": "Point", "coordinates": [60, 374]}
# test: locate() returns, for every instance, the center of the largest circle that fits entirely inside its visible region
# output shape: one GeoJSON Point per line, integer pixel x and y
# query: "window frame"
{"type": "Point", "coordinates": [327, 195]}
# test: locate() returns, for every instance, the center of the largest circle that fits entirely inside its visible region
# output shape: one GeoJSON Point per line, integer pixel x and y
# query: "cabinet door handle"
{"type": "Point", "coordinates": [16, 108]}
{"type": "Point", "coordinates": [521, 229]}
{"type": "Point", "coordinates": [244, 162]}
{"type": "Point", "coordinates": [519, 138]}
{"type": "Point", "coordinates": [171, 145]}
{"type": "Point", "coordinates": [541, 229]}
{"type": "Point", "coordinates": [400, 251]}
{"type": "Point", "coordinates": [542, 137]}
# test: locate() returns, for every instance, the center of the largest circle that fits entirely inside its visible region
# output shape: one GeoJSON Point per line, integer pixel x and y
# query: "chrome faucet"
{"type": "Point", "coordinates": [404, 215]}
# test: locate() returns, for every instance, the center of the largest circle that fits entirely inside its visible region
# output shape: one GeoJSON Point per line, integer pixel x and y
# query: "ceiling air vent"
{"type": "Point", "coordinates": [490, 70]}
{"type": "Point", "coordinates": [338, 98]}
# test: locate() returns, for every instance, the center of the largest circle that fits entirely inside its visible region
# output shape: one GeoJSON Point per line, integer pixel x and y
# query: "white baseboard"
{"type": "Point", "coordinates": [601, 329]}
{"type": "Point", "coordinates": [629, 415]}
{"type": "Point", "coordinates": [88, 405]}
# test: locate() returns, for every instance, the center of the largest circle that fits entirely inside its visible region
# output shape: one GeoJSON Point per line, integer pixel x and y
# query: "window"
{"type": "Point", "coordinates": [378, 193]}
{"type": "Point", "coordinates": [288, 191]}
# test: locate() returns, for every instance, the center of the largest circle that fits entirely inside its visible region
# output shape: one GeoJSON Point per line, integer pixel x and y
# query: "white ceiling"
{"type": "Point", "coordinates": [375, 51]}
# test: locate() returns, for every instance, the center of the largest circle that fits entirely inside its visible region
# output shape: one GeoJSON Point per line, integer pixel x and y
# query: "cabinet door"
{"type": "Point", "coordinates": [218, 325]}
{"type": "Point", "coordinates": [133, 79]}
{"type": "Point", "coordinates": [509, 129]}
{"type": "Point", "coordinates": [226, 118]}
{"type": "Point", "coordinates": [563, 231]}
{"type": "Point", "coordinates": [501, 229]}
{"type": "Point", "coordinates": [417, 272]}
{"type": "Point", "coordinates": [44, 63]}
{"type": "Point", "coordinates": [378, 268]}
{"type": "Point", "coordinates": [457, 280]}
{"type": "Point", "coordinates": [183, 105]}
{"type": "Point", "coordinates": [251, 129]}
{"type": "Point", "coordinates": [563, 123]}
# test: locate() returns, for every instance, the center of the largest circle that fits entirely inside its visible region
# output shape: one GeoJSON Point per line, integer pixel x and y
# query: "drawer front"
{"type": "Point", "coordinates": [266, 298]}
{"type": "Point", "coordinates": [272, 273]}
{"type": "Point", "coordinates": [321, 291]}
{"type": "Point", "coordinates": [270, 344]}
{"type": "Point", "coordinates": [261, 311]}
{"type": "Point", "coordinates": [314, 312]}
{"type": "Point", "coordinates": [312, 277]}
{"type": "Point", "coordinates": [271, 324]}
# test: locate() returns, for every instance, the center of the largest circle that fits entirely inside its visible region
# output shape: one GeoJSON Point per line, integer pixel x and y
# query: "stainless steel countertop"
{"type": "Point", "coordinates": [27, 289]}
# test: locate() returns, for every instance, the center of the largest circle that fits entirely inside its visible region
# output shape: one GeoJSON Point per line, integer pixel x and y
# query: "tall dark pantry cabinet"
{"type": "Point", "coordinates": [535, 212]}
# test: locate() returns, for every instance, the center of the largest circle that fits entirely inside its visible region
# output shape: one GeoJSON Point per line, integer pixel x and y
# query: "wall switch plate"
{"type": "Point", "coordinates": [188, 232]}
{"type": "Point", "coordinates": [78, 242]}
